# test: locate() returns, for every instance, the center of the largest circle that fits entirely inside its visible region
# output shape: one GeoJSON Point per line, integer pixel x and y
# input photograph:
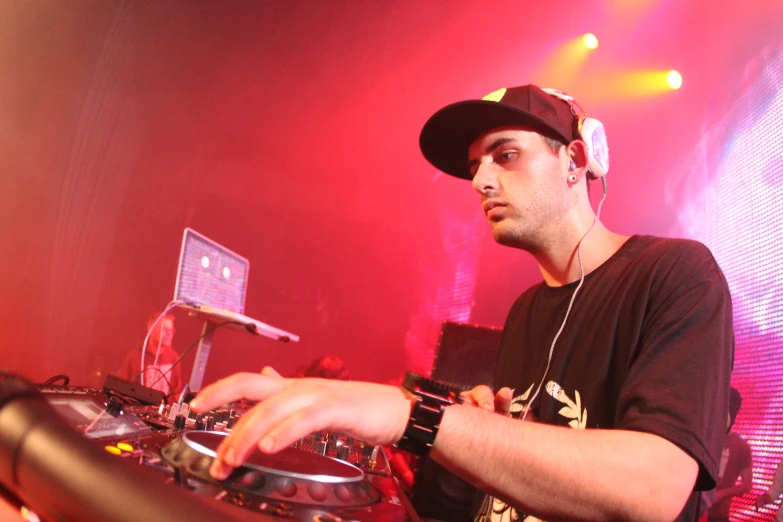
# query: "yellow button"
{"type": "Point", "coordinates": [124, 446]}
{"type": "Point", "coordinates": [113, 449]}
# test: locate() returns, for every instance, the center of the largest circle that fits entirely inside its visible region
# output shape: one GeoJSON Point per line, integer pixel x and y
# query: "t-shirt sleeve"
{"type": "Point", "coordinates": [679, 378]}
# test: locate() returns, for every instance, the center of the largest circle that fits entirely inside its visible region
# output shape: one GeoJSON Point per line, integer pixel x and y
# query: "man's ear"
{"type": "Point", "coordinates": [578, 154]}
{"type": "Point", "coordinates": [577, 160]}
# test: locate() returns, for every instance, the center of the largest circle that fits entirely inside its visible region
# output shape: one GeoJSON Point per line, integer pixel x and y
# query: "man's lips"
{"type": "Point", "coordinates": [492, 208]}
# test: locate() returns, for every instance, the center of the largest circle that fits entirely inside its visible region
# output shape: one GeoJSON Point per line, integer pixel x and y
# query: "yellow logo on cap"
{"type": "Point", "coordinates": [495, 96]}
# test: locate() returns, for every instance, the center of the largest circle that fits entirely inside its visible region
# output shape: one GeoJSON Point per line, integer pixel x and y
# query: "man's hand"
{"type": "Point", "coordinates": [294, 408]}
{"type": "Point", "coordinates": [482, 397]}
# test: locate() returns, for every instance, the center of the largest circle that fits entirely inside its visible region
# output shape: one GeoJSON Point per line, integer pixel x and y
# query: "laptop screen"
{"type": "Point", "coordinates": [210, 274]}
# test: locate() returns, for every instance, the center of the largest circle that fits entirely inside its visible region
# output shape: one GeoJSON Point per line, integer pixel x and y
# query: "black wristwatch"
{"type": "Point", "coordinates": [432, 398]}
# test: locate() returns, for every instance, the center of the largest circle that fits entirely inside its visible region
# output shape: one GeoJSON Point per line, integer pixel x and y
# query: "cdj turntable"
{"type": "Point", "coordinates": [323, 477]}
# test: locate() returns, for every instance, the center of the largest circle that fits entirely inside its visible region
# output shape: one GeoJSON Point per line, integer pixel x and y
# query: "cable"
{"type": "Point", "coordinates": [162, 375]}
{"type": "Point", "coordinates": [58, 377]}
{"type": "Point", "coordinates": [486, 505]}
{"type": "Point", "coordinates": [200, 337]}
{"type": "Point", "coordinates": [185, 390]}
{"type": "Point", "coordinates": [571, 303]}
{"type": "Point", "coordinates": [171, 305]}
{"type": "Point", "coordinates": [122, 398]}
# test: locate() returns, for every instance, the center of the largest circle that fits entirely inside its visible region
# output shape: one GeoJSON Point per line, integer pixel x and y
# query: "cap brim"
{"type": "Point", "coordinates": [447, 135]}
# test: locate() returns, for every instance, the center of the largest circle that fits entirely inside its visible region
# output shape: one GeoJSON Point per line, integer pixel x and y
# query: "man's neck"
{"type": "Point", "coordinates": [559, 264]}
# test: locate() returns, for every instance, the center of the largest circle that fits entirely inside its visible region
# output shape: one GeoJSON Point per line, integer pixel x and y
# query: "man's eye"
{"type": "Point", "coordinates": [506, 155]}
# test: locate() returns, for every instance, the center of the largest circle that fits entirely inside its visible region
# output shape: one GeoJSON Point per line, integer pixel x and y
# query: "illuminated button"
{"type": "Point", "coordinates": [124, 446]}
{"type": "Point", "coordinates": [281, 509]}
{"type": "Point", "coordinates": [286, 487]}
{"type": "Point", "coordinates": [113, 450]}
{"type": "Point", "coordinates": [317, 491]}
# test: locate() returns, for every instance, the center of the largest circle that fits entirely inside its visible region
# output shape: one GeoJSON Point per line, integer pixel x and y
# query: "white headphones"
{"type": "Point", "coordinates": [592, 133]}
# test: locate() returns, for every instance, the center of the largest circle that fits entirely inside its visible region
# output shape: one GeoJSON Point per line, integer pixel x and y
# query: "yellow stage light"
{"type": "Point", "coordinates": [674, 79]}
{"type": "Point", "coordinates": [566, 62]}
{"type": "Point", "coordinates": [590, 41]}
{"type": "Point", "coordinates": [630, 84]}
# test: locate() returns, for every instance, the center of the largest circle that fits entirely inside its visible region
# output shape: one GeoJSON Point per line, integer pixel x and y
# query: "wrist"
{"type": "Point", "coordinates": [429, 399]}
{"type": "Point", "coordinates": [405, 411]}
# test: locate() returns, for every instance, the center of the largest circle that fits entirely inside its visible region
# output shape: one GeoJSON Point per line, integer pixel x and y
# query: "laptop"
{"type": "Point", "coordinates": [212, 283]}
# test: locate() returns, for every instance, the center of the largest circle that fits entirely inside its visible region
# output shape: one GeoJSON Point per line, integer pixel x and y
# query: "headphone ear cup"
{"type": "Point", "coordinates": [594, 136]}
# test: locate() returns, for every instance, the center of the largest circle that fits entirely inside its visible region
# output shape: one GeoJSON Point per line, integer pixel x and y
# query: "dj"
{"type": "Point", "coordinates": [621, 356]}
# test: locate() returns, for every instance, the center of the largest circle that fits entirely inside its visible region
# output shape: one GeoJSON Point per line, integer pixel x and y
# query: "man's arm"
{"type": "Point", "coordinates": [555, 473]}
{"type": "Point", "coordinates": [745, 485]}
{"type": "Point", "coordinates": [563, 474]}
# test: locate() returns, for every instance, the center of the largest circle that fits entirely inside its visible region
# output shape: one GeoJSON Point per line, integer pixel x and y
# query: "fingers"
{"type": "Point", "coordinates": [299, 424]}
{"type": "Point", "coordinates": [294, 408]}
{"type": "Point", "coordinates": [254, 427]}
{"type": "Point", "coordinates": [268, 371]}
{"type": "Point", "coordinates": [238, 386]}
{"type": "Point", "coordinates": [480, 396]}
{"type": "Point", "coordinates": [467, 399]}
{"type": "Point", "coordinates": [503, 400]}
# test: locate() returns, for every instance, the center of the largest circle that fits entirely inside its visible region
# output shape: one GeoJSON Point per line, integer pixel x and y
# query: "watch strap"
{"type": "Point", "coordinates": [432, 398]}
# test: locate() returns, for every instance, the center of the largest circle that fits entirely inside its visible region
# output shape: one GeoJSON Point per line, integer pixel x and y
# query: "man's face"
{"type": "Point", "coordinates": [521, 184]}
{"type": "Point", "coordinates": [163, 332]}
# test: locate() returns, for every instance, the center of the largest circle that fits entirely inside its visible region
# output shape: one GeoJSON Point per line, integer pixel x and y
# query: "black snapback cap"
{"type": "Point", "coordinates": [447, 135]}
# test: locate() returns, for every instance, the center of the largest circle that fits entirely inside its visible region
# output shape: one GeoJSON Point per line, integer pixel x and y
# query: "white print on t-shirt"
{"type": "Point", "coordinates": [572, 409]}
{"type": "Point", "coordinates": [516, 404]}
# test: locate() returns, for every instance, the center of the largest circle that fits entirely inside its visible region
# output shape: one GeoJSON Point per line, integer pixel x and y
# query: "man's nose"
{"type": "Point", "coordinates": [485, 179]}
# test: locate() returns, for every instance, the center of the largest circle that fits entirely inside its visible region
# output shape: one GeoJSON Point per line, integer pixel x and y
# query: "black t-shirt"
{"type": "Point", "coordinates": [648, 346]}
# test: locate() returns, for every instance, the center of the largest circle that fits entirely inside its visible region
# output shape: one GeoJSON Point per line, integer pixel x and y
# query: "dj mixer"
{"type": "Point", "coordinates": [322, 477]}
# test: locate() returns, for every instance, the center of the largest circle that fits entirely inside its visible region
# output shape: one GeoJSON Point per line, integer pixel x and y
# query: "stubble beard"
{"type": "Point", "coordinates": [524, 236]}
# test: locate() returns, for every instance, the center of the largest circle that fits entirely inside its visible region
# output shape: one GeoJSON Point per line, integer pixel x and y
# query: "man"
{"type": "Point", "coordinates": [159, 370]}
{"type": "Point", "coordinates": [644, 353]}
{"type": "Point", "coordinates": [773, 492]}
{"type": "Point", "coordinates": [736, 463]}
